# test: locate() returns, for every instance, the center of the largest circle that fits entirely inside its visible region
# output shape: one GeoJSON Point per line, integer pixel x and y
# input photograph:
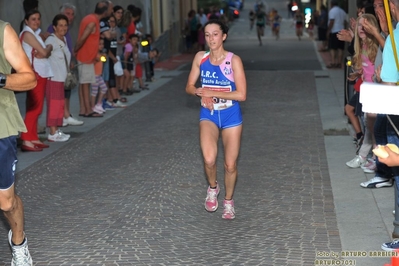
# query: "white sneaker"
{"type": "Point", "coordinates": [20, 254]}
{"type": "Point", "coordinates": [73, 122]}
{"type": "Point", "coordinates": [64, 122]}
{"type": "Point", "coordinates": [98, 109]}
{"type": "Point", "coordinates": [377, 182]}
{"type": "Point", "coordinates": [59, 136]}
{"type": "Point", "coordinates": [63, 134]}
{"type": "Point", "coordinates": [120, 104]}
{"type": "Point", "coordinates": [356, 162]}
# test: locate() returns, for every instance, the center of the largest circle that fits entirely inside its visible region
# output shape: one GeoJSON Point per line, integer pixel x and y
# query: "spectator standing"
{"type": "Point", "coordinates": [383, 174]}
{"type": "Point", "coordinates": [366, 48]}
{"type": "Point", "coordinates": [337, 19]}
{"type": "Point", "coordinates": [69, 11]}
{"type": "Point", "coordinates": [389, 76]}
{"type": "Point", "coordinates": [37, 53]}
{"type": "Point", "coordinates": [122, 22]}
{"type": "Point", "coordinates": [109, 34]}
{"type": "Point", "coordinates": [99, 88]}
{"type": "Point", "coordinates": [12, 55]}
{"type": "Point", "coordinates": [136, 15]}
{"type": "Point", "coordinates": [59, 59]}
{"type": "Point", "coordinates": [86, 48]}
{"type": "Point", "coordinates": [129, 62]}
{"type": "Point", "coordinates": [201, 36]}
{"type": "Point", "coordinates": [192, 23]}
{"type": "Point", "coordinates": [322, 25]}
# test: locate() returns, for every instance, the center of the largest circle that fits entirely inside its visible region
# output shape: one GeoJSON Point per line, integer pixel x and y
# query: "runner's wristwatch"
{"type": "Point", "coordinates": [3, 79]}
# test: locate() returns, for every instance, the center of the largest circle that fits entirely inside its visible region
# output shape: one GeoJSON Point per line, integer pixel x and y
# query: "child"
{"type": "Point", "coordinates": [95, 92]}
{"type": "Point", "coordinates": [366, 47]}
{"type": "Point", "coordinates": [129, 64]}
{"type": "Point", "coordinates": [139, 68]}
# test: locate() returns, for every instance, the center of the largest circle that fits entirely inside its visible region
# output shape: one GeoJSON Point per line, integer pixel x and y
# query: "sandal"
{"type": "Point", "coordinates": [123, 99]}
{"type": "Point", "coordinates": [93, 114]}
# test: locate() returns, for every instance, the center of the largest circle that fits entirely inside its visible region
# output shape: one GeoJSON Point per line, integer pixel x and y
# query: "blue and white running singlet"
{"type": "Point", "coordinates": [227, 113]}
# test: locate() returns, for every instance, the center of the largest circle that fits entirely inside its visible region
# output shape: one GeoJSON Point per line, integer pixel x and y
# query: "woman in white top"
{"type": "Point", "coordinates": [37, 53]}
{"type": "Point", "coordinates": [59, 59]}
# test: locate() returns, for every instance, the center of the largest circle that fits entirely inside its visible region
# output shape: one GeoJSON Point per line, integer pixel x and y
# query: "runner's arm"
{"type": "Point", "coordinates": [194, 74]}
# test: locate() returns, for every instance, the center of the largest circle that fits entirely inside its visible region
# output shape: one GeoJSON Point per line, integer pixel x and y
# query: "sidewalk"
{"type": "Point", "coordinates": [364, 216]}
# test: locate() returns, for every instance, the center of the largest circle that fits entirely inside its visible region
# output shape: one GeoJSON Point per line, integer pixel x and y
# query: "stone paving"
{"type": "Point", "coordinates": [131, 191]}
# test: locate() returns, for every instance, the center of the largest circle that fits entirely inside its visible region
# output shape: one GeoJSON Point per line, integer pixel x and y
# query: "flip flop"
{"type": "Point", "coordinates": [93, 114]}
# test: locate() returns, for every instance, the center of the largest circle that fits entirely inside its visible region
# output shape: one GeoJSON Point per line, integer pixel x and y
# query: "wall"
{"type": "Point", "coordinates": [164, 19]}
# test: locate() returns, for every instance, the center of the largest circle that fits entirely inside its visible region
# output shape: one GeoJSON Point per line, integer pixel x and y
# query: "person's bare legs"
{"type": "Point", "coordinates": [340, 57]}
{"type": "Point", "coordinates": [231, 138]}
{"type": "Point", "coordinates": [67, 113]}
{"type": "Point", "coordinates": [114, 93]}
{"type": "Point", "coordinates": [86, 98]}
{"type": "Point", "coordinates": [13, 210]}
{"type": "Point", "coordinates": [82, 110]}
{"type": "Point", "coordinates": [333, 54]}
{"type": "Point", "coordinates": [209, 135]}
{"type": "Point", "coordinates": [259, 32]}
{"type": "Point", "coordinates": [350, 113]}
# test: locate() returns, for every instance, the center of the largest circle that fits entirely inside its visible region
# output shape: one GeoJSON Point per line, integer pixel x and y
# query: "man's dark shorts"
{"type": "Point", "coordinates": [8, 161]}
{"type": "Point", "coordinates": [334, 43]}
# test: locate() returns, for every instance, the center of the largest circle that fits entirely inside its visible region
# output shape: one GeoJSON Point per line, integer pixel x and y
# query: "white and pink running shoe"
{"type": "Point", "coordinates": [228, 212]}
{"type": "Point", "coordinates": [211, 201]}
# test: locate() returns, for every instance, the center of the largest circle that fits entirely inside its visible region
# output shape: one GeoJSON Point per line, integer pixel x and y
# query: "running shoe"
{"type": "Point", "coordinates": [377, 182]}
{"type": "Point", "coordinates": [228, 212]}
{"type": "Point", "coordinates": [356, 162]}
{"type": "Point", "coordinates": [211, 201]}
{"type": "Point", "coordinates": [20, 254]}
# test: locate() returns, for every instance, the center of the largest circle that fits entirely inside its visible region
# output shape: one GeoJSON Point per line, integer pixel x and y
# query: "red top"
{"type": "Point", "coordinates": [131, 29]}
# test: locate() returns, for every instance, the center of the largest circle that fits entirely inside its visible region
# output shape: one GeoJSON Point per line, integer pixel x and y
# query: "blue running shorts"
{"type": "Point", "coordinates": [8, 161]}
{"type": "Point", "coordinates": [225, 118]}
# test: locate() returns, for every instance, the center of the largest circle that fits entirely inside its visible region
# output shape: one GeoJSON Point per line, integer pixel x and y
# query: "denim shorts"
{"type": "Point", "coordinates": [225, 118]}
{"type": "Point", "coordinates": [8, 161]}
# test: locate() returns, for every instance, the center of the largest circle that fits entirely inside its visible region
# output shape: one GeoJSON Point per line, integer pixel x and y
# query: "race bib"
{"type": "Point", "coordinates": [219, 103]}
